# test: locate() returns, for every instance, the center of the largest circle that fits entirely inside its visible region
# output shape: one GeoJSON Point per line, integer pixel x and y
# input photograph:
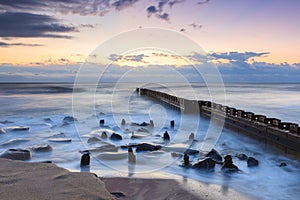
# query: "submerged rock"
{"type": "Point", "coordinates": [41, 148]}
{"type": "Point", "coordinates": [115, 136]}
{"type": "Point", "coordinates": [123, 122]}
{"type": "Point", "coordinates": [16, 154]}
{"type": "Point", "coordinates": [186, 159]}
{"type": "Point", "coordinates": [147, 147]}
{"type": "Point", "coordinates": [214, 155]}
{"type": "Point", "coordinates": [283, 164]}
{"type": "Point", "coordinates": [69, 119]}
{"type": "Point", "coordinates": [241, 156]}
{"type": "Point", "coordinates": [252, 162]}
{"type": "Point", "coordinates": [207, 163]}
{"type": "Point", "coordinates": [228, 164]}
{"type": "Point", "coordinates": [192, 136]}
{"type": "Point", "coordinates": [6, 122]}
{"type": "Point", "coordinates": [191, 151]}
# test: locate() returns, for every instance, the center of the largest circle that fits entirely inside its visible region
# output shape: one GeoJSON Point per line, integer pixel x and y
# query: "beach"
{"type": "Point", "coordinates": [36, 181]}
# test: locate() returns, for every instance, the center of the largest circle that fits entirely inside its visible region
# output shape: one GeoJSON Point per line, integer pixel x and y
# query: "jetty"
{"type": "Point", "coordinates": [270, 131]}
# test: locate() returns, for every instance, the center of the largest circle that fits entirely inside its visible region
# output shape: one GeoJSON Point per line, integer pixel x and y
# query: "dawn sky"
{"type": "Point", "coordinates": [40, 38]}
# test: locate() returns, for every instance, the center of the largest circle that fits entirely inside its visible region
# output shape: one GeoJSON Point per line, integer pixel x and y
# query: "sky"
{"type": "Point", "coordinates": [246, 40]}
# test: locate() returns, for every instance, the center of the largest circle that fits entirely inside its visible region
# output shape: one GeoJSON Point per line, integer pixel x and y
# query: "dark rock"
{"type": "Point", "coordinates": [16, 154]}
{"type": "Point", "coordinates": [85, 159]}
{"type": "Point", "coordinates": [46, 161]}
{"type": "Point", "coordinates": [252, 162]}
{"type": "Point", "coordinates": [93, 140]}
{"type": "Point", "coordinates": [144, 124]}
{"type": "Point", "coordinates": [69, 119]}
{"type": "Point", "coordinates": [241, 156]}
{"type": "Point", "coordinates": [151, 123]}
{"type": "Point", "coordinates": [123, 122]}
{"type": "Point", "coordinates": [166, 136]}
{"type": "Point", "coordinates": [41, 148]}
{"type": "Point", "coordinates": [228, 164]}
{"type": "Point", "coordinates": [115, 136]}
{"type": "Point", "coordinates": [214, 155]}
{"type": "Point", "coordinates": [207, 163]}
{"type": "Point", "coordinates": [147, 147]}
{"type": "Point", "coordinates": [101, 122]}
{"type": "Point", "coordinates": [172, 123]}
{"type": "Point", "coordinates": [118, 194]}
{"type": "Point", "coordinates": [283, 164]}
{"type": "Point", "coordinates": [191, 151]}
{"type": "Point", "coordinates": [143, 130]}
{"type": "Point", "coordinates": [186, 159]}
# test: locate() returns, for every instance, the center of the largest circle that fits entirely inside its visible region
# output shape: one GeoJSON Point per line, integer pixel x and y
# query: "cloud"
{"type": "Point", "coordinates": [237, 56]}
{"type": "Point", "coordinates": [19, 24]}
{"type": "Point", "coordinates": [195, 26]}
{"type": "Point", "coordinates": [151, 10]}
{"type": "Point", "coordinates": [4, 44]}
{"type": "Point", "coordinates": [203, 2]}
{"type": "Point", "coordinates": [134, 58]}
{"type": "Point", "coordinates": [122, 4]}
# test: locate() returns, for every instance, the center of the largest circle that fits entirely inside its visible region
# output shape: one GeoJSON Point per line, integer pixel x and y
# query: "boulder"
{"type": "Point", "coordinates": [147, 147]}
{"type": "Point", "coordinates": [115, 137]}
{"type": "Point", "coordinates": [207, 163]}
{"type": "Point", "coordinates": [151, 123]}
{"type": "Point", "coordinates": [252, 162]}
{"type": "Point", "coordinates": [123, 122]}
{"type": "Point", "coordinates": [214, 155]}
{"type": "Point", "coordinates": [283, 164]}
{"type": "Point", "coordinates": [41, 148]}
{"type": "Point", "coordinates": [228, 164]}
{"type": "Point", "coordinates": [17, 128]}
{"type": "Point", "coordinates": [241, 156]}
{"type": "Point", "coordinates": [16, 154]}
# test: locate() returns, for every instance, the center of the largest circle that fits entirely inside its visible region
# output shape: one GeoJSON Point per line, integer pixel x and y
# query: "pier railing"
{"type": "Point", "coordinates": [272, 131]}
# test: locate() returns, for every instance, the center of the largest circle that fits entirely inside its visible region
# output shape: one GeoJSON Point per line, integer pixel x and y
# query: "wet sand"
{"type": "Point", "coordinates": [38, 181]}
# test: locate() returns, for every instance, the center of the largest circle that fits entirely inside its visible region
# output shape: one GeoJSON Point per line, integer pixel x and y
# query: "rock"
{"type": "Point", "coordinates": [17, 128]}
{"type": "Point", "coordinates": [115, 137]}
{"type": "Point", "coordinates": [41, 148]}
{"type": "Point", "coordinates": [93, 140]}
{"type": "Point", "coordinates": [228, 164]}
{"type": "Point", "coordinates": [144, 124]}
{"type": "Point", "coordinates": [176, 155]}
{"type": "Point", "coordinates": [166, 136]}
{"type": "Point", "coordinates": [101, 122]}
{"type": "Point", "coordinates": [186, 159]}
{"type": "Point", "coordinates": [48, 120]}
{"type": "Point", "coordinates": [241, 156]}
{"type": "Point", "coordinates": [16, 154]}
{"type": "Point", "coordinates": [136, 136]}
{"type": "Point", "coordinates": [131, 156]}
{"type": "Point", "coordinates": [2, 131]}
{"type": "Point", "coordinates": [214, 155]}
{"type": "Point", "coordinates": [143, 130]}
{"type": "Point", "coordinates": [14, 142]}
{"type": "Point", "coordinates": [172, 123]}
{"type": "Point", "coordinates": [6, 122]}
{"type": "Point", "coordinates": [192, 136]}
{"type": "Point", "coordinates": [191, 151]}
{"type": "Point", "coordinates": [151, 123]}
{"type": "Point", "coordinates": [147, 147]}
{"type": "Point", "coordinates": [252, 162]}
{"type": "Point", "coordinates": [69, 119]}
{"type": "Point", "coordinates": [103, 135]}
{"type": "Point", "coordinates": [118, 194]}
{"type": "Point", "coordinates": [105, 148]}
{"type": "Point", "coordinates": [85, 159]}
{"type": "Point", "coordinates": [283, 164]}
{"type": "Point", "coordinates": [123, 122]}
{"type": "Point", "coordinates": [207, 163]}
{"type": "Point", "coordinates": [60, 139]}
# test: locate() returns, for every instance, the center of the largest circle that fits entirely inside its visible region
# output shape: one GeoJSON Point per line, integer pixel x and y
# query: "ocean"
{"type": "Point", "coordinates": [43, 107]}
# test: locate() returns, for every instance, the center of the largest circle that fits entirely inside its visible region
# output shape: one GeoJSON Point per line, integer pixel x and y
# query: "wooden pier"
{"type": "Point", "coordinates": [271, 131]}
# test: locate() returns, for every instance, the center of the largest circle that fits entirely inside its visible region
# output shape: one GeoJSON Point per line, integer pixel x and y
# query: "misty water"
{"type": "Point", "coordinates": [42, 107]}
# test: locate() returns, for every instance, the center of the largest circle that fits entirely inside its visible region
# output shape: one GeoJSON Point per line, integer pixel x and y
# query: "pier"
{"type": "Point", "coordinates": [271, 131]}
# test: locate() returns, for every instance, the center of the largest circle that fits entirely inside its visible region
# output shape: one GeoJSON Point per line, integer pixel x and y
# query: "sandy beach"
{"type": "Point", "coordinates": [37, 181]}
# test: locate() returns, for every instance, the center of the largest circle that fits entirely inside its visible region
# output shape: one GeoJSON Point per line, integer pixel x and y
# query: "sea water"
{"type": "Point", "coordinates": [42, 107]}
